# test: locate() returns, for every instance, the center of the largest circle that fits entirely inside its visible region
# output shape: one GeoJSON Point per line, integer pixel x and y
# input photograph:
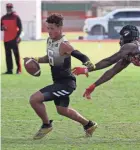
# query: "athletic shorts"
{"type": "Point", "coordinates": [59, 92]}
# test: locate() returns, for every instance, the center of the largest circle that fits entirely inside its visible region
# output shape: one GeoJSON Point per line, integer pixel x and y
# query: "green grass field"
{"type": "Point", "coordinates": [115, 106]}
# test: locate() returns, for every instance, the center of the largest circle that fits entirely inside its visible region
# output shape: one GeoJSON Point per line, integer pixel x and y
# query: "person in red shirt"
{"type": "Point", "coordinates": [11, 26]}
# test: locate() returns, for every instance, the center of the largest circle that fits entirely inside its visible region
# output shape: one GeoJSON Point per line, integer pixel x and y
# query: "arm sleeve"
{"type": "Point", "coordinates": [77, 54]}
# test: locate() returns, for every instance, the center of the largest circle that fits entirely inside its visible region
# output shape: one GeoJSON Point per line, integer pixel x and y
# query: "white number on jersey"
{"type": "Point", "coordinates": [50, 56]}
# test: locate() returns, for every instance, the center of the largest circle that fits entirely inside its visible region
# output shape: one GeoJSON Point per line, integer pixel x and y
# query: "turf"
{"type": "Point", "coordinates": [114, 105]}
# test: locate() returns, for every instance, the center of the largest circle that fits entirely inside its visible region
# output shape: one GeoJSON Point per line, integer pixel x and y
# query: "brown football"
{"type": "Point", "coordinates": [32, 67]}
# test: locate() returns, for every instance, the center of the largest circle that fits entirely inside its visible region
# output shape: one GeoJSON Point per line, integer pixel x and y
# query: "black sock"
{"type": "Point", "coordinates": [90, 124]}
{"type": "Point", "coordinates": [45, 125]}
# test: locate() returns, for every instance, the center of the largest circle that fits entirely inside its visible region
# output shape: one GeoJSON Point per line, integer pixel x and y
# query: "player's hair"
{"type": "Point", "coordinates": [57, 19]}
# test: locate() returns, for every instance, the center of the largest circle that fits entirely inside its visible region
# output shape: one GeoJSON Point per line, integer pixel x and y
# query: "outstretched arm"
{"type": "Point", "coordinates": [121, 54]}
{"type": "Point", "coordinates": [100, 65]}
{"type": "Point", "coordinates": [109, 61]}
{"type": "Point", "coordinates": [122, 64]}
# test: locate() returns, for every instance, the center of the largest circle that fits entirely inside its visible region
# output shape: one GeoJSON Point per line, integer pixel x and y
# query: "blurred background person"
{"type": "Point", "coordinates": [11, 26]}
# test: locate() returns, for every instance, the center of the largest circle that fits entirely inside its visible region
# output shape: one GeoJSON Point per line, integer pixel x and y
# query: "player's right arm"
{"type": "Point", "coordinates": [43, 59]}
{"type": "Point", "coordinates": [122, 64]}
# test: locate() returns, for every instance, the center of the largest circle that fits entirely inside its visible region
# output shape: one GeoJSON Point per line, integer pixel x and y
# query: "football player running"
{"type": "Point", "coordinates": [59, 52]}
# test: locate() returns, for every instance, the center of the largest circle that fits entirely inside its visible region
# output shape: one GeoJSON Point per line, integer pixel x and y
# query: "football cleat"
{"type": "Point", "coordinates": [90, 128]}
{"type": "Point", "coordinates": [45, 129]}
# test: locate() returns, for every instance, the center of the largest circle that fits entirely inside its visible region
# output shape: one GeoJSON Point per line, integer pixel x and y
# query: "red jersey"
{"type": "Point", "coordinates": [13, 26]}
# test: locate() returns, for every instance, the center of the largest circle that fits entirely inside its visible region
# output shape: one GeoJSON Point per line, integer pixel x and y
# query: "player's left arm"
{"type": "Point", "coordinates": [66, 48]}
{"type": "Point", "coordinates": [122, 64]}
{"type": "Point", "coordinates": [108, 75]}
{"type": "Point", "coordinates": [125, 50]}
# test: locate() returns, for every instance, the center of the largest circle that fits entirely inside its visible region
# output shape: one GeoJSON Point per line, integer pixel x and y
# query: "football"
{"type": "Point", "coordinates": [32, 67]}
